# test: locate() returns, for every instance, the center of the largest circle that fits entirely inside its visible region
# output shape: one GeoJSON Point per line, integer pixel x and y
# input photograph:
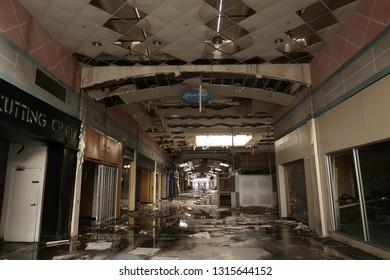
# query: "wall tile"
{"type": "Point", "coordinates": [364, 59]}
{"type": "Point", "coordinates": [8, 18]}
{"type": "Point", "coordinates": [381, 11]}
{"type": "Point", "coordinates": [359, 28]}
{"type": "Point", "coordinates": [350, 50]}
{"type": "Point", "coordinates": [361, 75]}
{"type": "Point", "coordinates": [373, 30]}
{"type": "Point", "coordinates": [21, 14]}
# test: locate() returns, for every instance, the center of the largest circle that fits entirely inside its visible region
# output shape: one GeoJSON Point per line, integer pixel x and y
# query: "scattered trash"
{"type": "Point", "coordinates": [183, 224]}
{"type": "Point", "coordinates": [239, 238]}
{"type": "Point", "coordinates": [301, 228]}
{"type": "Point", "coordinates": [187, 214]}
{"type": "Point", "coordinates": [202, 235]}
{"type": "Point", "coordinates": [144, 251]}
{"type": "Point", "coordinates": [143, 232]}
{"type": "Point", "coordinates": [98, 246]}
{"type": "Point", "coordinates": [57, 243]}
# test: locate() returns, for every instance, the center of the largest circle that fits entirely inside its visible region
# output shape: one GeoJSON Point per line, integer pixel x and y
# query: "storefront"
{"type": "Point", "coordinates": [38, 146]}
{"type": "Point", "coordinates": [101, 173]}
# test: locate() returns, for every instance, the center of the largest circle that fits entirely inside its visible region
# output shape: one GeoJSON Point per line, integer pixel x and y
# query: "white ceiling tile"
{"type": "Point", "coordinates": [173, 49]}
{"type": "Point", "coordinates": [270, 55]}
{"type": "Point", "coordinates": [188, 56]}
{"type": "Point", "coordinates": [84, 25]}
{"type": "Point", "coordinates": [202, 33]}
{"type": "Point", "coordinates": [329, 32]}
{"type": "Point", "coordinates": [89, 50]}
{"type": "Point", "coordinates": [184, 6]}
{"type": "Point", "coordinates": [297, 5]}
{"type": "Point", "coordinates": [94, 14]}
{"type": "Point", "coordinates": [254, 22]}
{"type": "Point", "coordinates": [186, 24]}
{"type": "Point", "coordinates": [170, 34]}
{"type": "Point", "coordinates": [315, 48]}
{"type": "Point", "coordinates": [116, 51]}
{"type": "Point", "coordinates": [247, 41]}
{"type": "Point", "coordinates": [106, 34]}
{"type": "Point", "coordinates": [146, 6]}
{"type": "Point", "coordinates": [54, 28]}
{"type": "Point", "coordinates": [257, 5]}
{"type": "Point", "coordinates": [289, 22]}
{"type": "Point", "coordinates": [58, 15]}
{"type": "Point", "coordinates": [202, 49]}
{"type": "Point", "coordinates": [72, 6]}
{"type": "Point", "coordinates": [36, 8]}
{"type": "Point", "coordinates": [243, 55]}
{"type": "Point", "coordinates": [344, 13]}
{"type": "Point", "coordinates": [260, 47]}
{"type": "Point", "coordinates": [187, 42]}
{"type": "Point", "coordinates": [72, 38]}
{"type": "Point", "coordinates": [266, 32]}
{"type": "Point", "coordinates": [166, 13]}
{"type": "Point", "coordinates": [271, 40]}
{"type": "Point", "coordinates": [203, 13]}
{"type": "Point", "coordinates": [151, 24]}
{"type": "Point", "coordinates": [277, 11]}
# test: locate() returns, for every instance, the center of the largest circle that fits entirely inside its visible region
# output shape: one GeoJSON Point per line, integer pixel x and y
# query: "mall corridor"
{"type": "Point", "coordinates": [186, 229]}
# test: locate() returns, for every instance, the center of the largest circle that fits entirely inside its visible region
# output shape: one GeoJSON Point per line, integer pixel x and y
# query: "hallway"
{"type": "Point", "coordinates": [185, 229]}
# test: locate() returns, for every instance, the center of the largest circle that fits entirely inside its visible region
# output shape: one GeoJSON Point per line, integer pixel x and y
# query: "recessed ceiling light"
{"type": "Point", "coordinates": [157, 42]}
{"type": "Point", "coordinates": [96, 44]}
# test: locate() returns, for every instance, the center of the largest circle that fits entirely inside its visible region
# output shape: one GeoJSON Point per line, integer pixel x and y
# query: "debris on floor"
{"type": "Point", "coordinates": [144, 251]}
{"type": "Point", "coordinates": [98, 245]}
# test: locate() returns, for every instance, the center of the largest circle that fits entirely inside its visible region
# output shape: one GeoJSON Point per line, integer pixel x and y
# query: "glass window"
{"type": "Point", "coordinates": [346, 195]}
{"type": "Point", "coordinates": [375, 172]}
{"type": "Point", "coordinates": [360, 180]}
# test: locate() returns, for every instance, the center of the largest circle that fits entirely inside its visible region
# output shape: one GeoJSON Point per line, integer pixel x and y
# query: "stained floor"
{"type": "Point", "coordinates": [185, 228]}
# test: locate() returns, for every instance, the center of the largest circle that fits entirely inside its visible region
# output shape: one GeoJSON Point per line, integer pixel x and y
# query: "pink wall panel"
{"type": "Point", "coordinates": [371, 18]}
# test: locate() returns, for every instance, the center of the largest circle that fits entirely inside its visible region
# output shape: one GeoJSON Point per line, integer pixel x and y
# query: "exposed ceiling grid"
{"type": "Point", "coordinates": [196, 33]}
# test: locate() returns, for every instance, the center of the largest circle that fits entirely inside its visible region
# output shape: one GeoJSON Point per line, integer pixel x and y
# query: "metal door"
{"type": "Point", "coordinates": [22, 221]}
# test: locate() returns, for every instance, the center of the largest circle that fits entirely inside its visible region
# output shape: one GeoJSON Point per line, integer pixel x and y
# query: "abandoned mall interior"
{"type": "Point", "coordinates": [202, 129]}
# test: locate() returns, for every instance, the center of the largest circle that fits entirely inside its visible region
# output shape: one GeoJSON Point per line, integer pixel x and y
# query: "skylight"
{"type": "Point", "coordinates": [222, 140]}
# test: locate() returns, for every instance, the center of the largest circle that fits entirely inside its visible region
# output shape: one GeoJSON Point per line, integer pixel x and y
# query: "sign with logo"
{"type": "Point", "coordinates": [191, 95]}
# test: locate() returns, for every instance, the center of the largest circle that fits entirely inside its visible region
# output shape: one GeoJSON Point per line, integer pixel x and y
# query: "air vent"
{"type": "Point", "coordinates": [51, 86]}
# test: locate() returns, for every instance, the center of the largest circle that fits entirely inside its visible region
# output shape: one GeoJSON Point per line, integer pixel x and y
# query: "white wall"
{"type": "Point", "coordinates": [361, 119]}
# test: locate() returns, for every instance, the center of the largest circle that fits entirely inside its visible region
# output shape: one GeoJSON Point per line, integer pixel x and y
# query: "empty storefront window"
{"type": "Point", "coordinates": [296, 183]}
{"type": "Point", "coordinates": [375, 169]}
{"type": "Point", "coordinates": [346, 195]}
{"type": "Point", "coordinates": [360, 180]}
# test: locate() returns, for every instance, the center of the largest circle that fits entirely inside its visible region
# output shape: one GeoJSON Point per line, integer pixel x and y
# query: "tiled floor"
{"type": "Point", "coordinates": [183, 229]}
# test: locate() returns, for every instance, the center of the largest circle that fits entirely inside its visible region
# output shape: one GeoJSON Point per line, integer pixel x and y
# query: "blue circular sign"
{"type": "Point", "coordinates": [191, 95]}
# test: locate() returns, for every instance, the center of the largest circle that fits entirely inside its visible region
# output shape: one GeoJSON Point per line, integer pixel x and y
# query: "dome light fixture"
{"type": "Point", "coordinates": [217, 40]}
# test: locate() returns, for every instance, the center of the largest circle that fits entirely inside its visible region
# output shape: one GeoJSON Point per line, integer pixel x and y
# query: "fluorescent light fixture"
{"type": "Point", "coordinates": [224, 164]}
{"type": "Point", "coordinates": [183, 164]}
{"type": "Point", "coordinates": [218, 169]}
{"type": "Point", "coordinates": [222, 140]}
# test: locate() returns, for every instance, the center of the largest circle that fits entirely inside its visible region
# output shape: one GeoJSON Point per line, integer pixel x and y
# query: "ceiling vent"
{"type": "Point", "coordinates": [51, 86]}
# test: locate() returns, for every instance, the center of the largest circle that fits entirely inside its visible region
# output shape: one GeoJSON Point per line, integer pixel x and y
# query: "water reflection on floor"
{"type": "Point", "coordinates": [182, 229]}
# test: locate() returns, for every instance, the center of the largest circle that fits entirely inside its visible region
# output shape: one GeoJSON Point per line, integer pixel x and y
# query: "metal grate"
{"type": "Point", "coordinates": [295, 173]}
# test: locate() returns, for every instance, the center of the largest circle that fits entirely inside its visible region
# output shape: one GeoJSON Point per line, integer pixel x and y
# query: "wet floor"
{"type": "Point", "coordinates": [183, 228]}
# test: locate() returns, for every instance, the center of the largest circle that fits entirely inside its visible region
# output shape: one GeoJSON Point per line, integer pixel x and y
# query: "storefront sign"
{"type": "Point", "coordinates": [191, 95]}
{"type": "Point", "coordinates": [24, 112]}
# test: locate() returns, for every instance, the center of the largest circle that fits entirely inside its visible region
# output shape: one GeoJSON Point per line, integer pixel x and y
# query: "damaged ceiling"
{"type": "Point", "coordinates": [245, 56]}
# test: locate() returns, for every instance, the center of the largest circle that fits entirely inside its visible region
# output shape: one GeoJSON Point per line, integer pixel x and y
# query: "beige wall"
{"type": "Point", "coordinates": [361, 119]}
